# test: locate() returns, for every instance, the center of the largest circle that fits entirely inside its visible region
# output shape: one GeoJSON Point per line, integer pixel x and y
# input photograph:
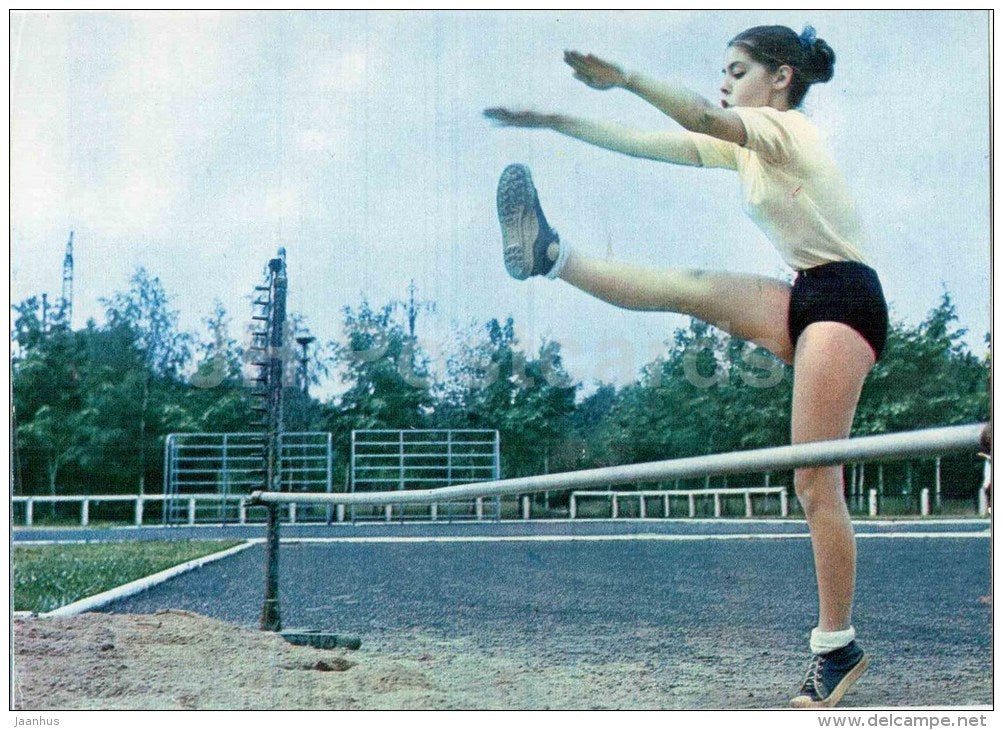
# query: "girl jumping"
{"type": "Point", "coordinates": [830, 325]}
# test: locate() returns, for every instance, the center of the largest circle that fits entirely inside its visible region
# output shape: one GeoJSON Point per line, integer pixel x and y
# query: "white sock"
{"type": "Point", "coordinates": [562, 258]}
{"type": "Point", "coordinates": [822, 642]}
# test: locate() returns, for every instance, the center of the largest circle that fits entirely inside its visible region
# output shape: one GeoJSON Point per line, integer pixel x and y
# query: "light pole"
{"type": "Point", "coordinates": [304, 341]}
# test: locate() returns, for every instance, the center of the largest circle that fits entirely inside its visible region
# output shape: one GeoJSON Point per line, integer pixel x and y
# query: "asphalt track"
{"type": "Point", "coordinates": [721, 609]}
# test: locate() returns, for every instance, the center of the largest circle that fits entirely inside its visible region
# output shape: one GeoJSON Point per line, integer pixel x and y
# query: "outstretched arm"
{"type": "Point", "coordinates": [672, 147]}
{"type": "Point", "coordinates": [690, 109]}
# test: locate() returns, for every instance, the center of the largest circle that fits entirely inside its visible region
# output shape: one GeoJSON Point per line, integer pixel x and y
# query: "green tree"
{"type": "Point", "coordinates": [220, 400]}
{"type": "Point", "coordinates": [144, 311]}
{"type": "Point", "coordinates": [493, 384]}
{"type": "Point", "coordinates": [704, 379]}
{"type": "Point", "coordinates": [47, 403]}
{"type": "Point", "coordinates": [926, 377]}
{"type": "Point", "coordinates": [53, 425]}
{"type": "Point", "coordinates": [589, 442]}
{"type": "Point", "coordinates": [387, 374]}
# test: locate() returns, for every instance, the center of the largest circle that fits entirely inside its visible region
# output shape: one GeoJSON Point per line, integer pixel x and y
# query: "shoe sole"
{"type": "Point", "coordinates": [517, 214]}
{"type": "Point", "coordinates": [803, 703]}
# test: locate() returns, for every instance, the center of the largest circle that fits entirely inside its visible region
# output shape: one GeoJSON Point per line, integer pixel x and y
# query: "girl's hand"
{"type": "Point", "coordinates": [595, 72]}
{"type": "Point", "coordinates": [509, 118]}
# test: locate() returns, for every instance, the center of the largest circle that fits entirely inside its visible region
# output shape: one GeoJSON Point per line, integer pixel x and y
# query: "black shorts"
{"type": "Point", "coordinates": [843, 291]}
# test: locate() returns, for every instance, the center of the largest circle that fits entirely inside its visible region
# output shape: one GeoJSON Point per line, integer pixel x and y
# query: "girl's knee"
{"type": "Point", "coordinates": [818, 485]}
{"type": "Point", "coordinates": [807, 478]}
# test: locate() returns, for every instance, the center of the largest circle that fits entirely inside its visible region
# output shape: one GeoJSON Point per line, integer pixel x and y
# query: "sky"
{"type": "Point", "coordinates": [195, 144]}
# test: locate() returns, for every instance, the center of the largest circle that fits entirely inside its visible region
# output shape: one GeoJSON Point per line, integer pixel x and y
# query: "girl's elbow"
{"type": "Point", "coordinates": [702, 120]}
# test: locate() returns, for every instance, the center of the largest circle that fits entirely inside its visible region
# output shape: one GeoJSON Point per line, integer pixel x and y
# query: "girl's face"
{"type": "Point", "coordinates": [750, 83]}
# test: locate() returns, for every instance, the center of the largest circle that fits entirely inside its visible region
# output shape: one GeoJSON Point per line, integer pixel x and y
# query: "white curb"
{"type": "Point", "coordinates": [137, 586]}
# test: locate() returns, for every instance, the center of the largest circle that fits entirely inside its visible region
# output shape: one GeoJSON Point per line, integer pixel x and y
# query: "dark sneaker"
{"type": "Point", "coordinates": [529, 245]}
{"type": "Point", "coordinates": [830, 676]}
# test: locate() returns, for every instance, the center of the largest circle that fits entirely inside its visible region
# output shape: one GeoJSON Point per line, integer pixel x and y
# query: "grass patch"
{"type": "Point", "coordinates": [46, 577]}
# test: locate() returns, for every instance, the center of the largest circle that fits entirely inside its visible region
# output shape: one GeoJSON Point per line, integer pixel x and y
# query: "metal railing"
{"type": "Point", "coordinates": [910, 444]}
{"type": "Point", "coordinates": [231, 465]}
{"type": "Point", "coordinates": [384, 459]}
{"type": "Point", "coordinates": [859, 450]}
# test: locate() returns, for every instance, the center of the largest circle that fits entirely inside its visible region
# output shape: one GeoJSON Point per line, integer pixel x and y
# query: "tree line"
{"type": "Point", "coordinates": [93, 406]}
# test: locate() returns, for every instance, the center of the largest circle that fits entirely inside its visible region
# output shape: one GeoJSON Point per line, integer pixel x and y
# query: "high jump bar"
{"type": "Point", "coordinates": [904, 445]}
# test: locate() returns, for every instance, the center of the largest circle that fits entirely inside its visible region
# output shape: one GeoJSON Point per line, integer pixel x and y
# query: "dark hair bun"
{"type": "Point", "coordinates": [777, 45]}
{"type": "Point", "coordinates": [819, 62]}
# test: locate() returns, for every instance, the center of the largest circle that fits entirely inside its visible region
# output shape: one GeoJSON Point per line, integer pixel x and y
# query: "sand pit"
{"type": "Point", "coordinates": [175, 659]}
{"type": "Point", "coordinates": [180, 660]}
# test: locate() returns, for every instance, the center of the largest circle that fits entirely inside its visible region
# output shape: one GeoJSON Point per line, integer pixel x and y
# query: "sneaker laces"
{"type": "Point", "coordinates": [813, 678]}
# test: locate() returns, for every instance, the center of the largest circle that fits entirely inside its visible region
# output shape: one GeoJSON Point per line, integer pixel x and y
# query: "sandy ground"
{"type": "Point", "coordinates": [176, 659]}
{"type": "Point", "coordinates": [180, 660]}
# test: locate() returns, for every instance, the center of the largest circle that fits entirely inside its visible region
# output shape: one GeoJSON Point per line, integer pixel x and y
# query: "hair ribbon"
{"type": "Point", "coordinates": [807, 37]}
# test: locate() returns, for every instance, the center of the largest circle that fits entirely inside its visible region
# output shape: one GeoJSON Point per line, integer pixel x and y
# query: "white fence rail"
{"type": "Point", "coordinates": [214, 504]}
{"type": "Point", "coordinates": [692, 495]}
{"type": "Point", "coordinates": [85, 501]}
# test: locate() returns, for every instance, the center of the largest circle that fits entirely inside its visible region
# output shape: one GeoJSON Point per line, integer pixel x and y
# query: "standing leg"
{"type": "Point", "coordinates": [830, 364]}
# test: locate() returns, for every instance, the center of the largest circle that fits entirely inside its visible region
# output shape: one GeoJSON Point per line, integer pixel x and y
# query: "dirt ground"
{"type": "Point", "coordinates": [180, 660]}
{"type": "Point", "coordinates": [175, 659]}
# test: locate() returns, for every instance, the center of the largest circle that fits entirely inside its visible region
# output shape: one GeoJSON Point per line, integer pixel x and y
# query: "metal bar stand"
{"type": "Point", "coordinates": [272, 366]}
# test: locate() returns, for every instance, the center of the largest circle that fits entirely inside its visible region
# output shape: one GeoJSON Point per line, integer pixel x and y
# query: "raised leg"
{"type": "Point", "coordinates": [753, 308]}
